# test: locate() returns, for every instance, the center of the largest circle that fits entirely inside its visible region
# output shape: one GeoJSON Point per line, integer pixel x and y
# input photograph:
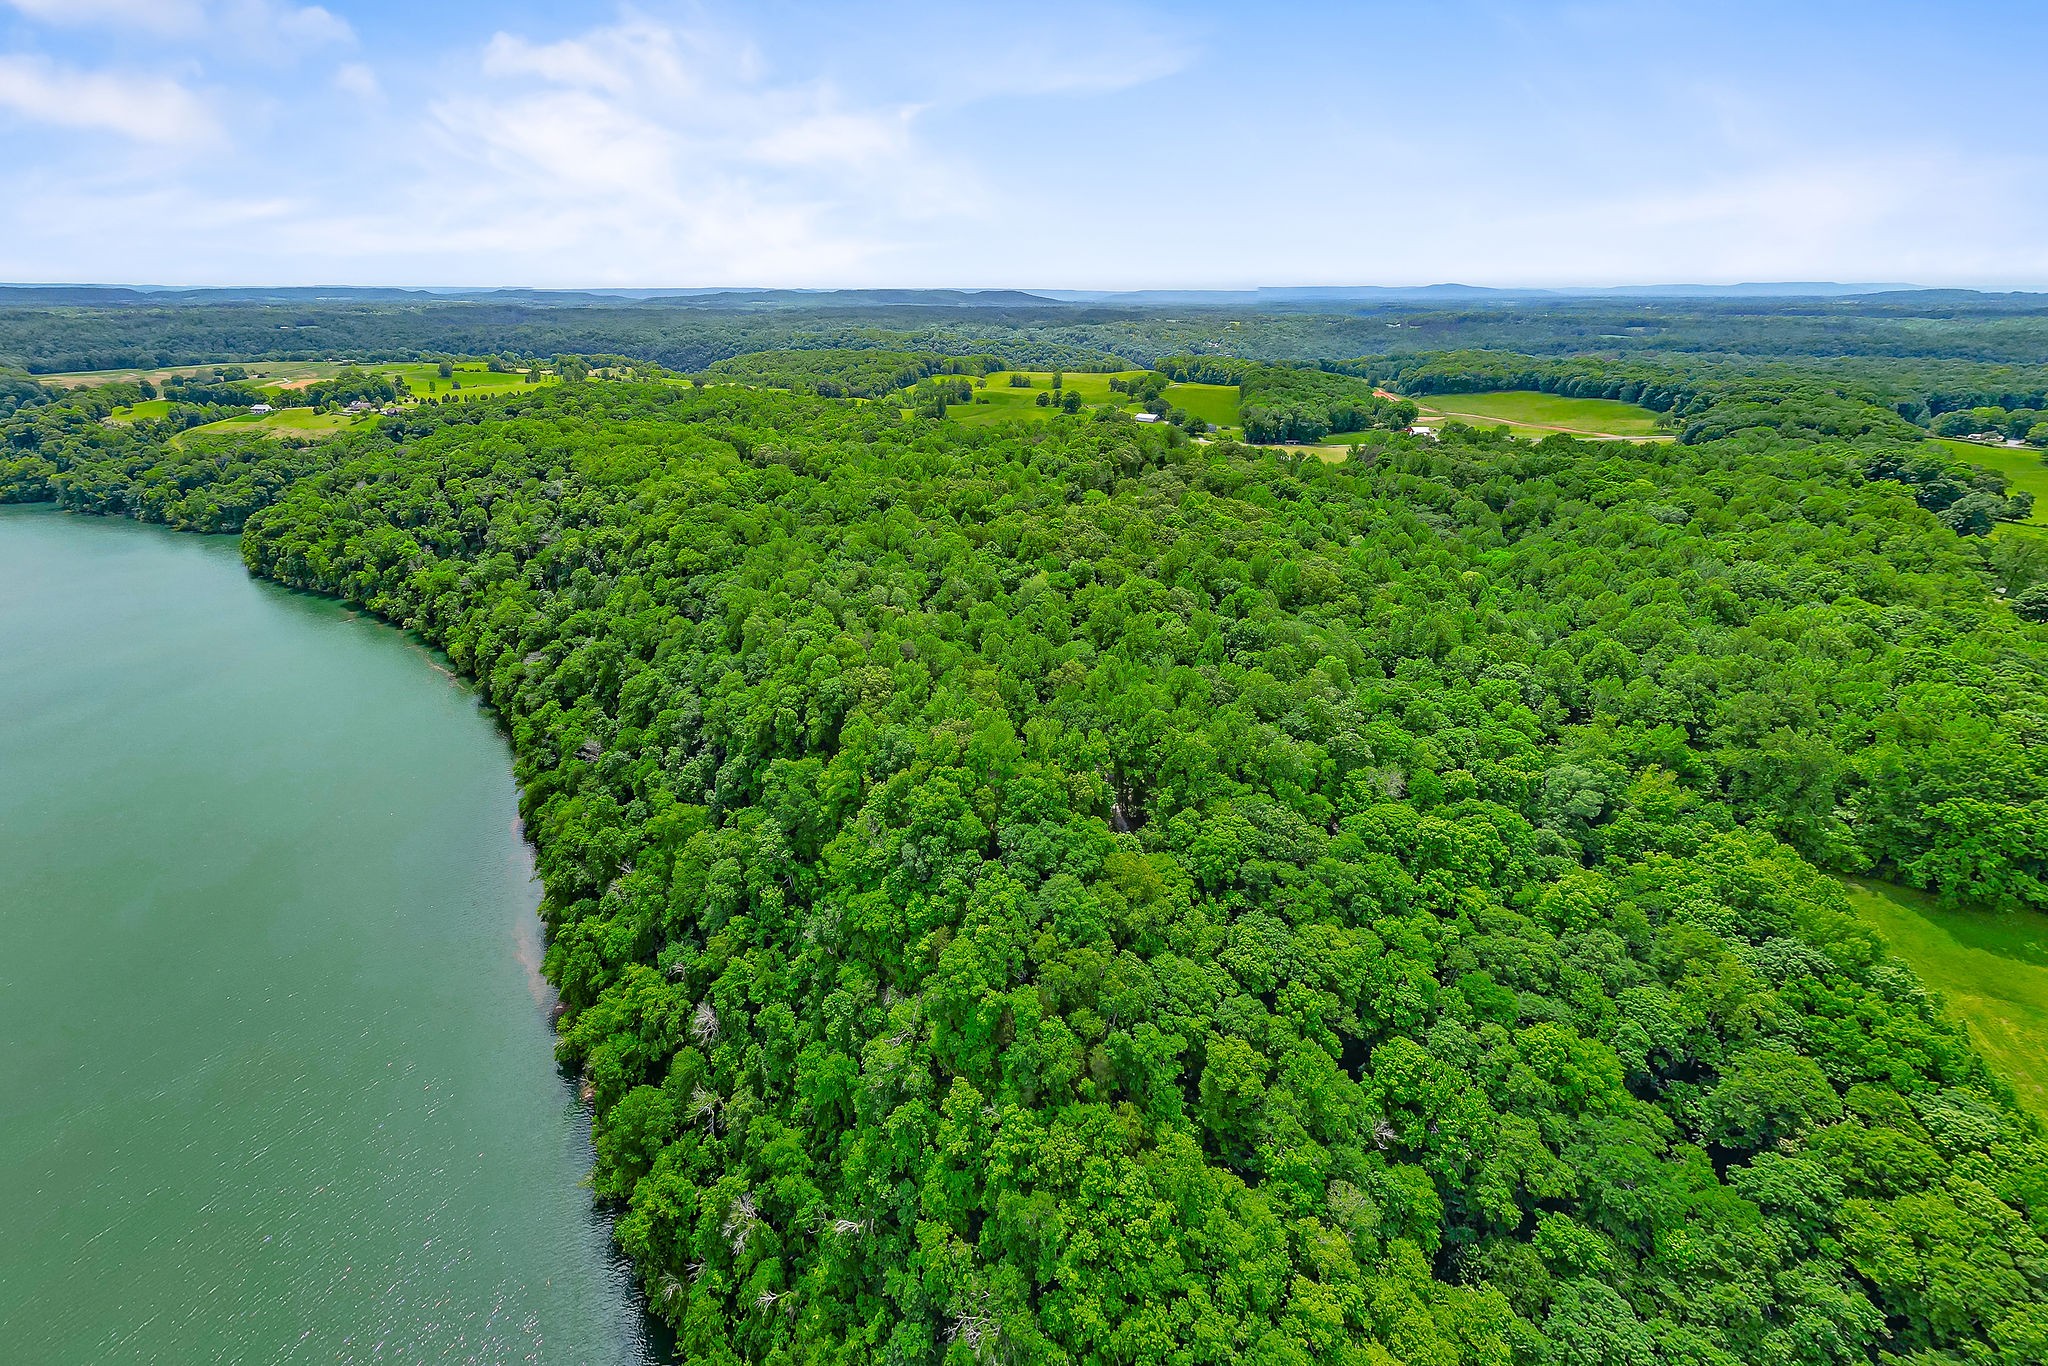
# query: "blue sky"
{"type": "Point", "coordinates": [1047, 144]}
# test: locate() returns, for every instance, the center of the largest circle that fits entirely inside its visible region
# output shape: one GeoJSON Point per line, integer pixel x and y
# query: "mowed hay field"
{"type": "Point", "coordinates": [1992, 969]}
{"type": "Point", "coordinates": [1528, 413]}
{"type": "Point", "coordinates": [1213, 403]}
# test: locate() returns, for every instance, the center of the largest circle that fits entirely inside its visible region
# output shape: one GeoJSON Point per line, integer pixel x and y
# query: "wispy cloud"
{"type": "Point", "coordinates": [151, 109]}
{"type": "Point", "coordinates": [150, 16]}
{"type": "Point", "coordinates": [357, 79]}
{"type": "Point", "coordinates": [674, 147]}
{"type": "Point", "coordinates": [268, 27]}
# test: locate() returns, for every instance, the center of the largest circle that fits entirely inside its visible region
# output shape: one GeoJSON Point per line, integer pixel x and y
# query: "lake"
{"type": "Point", "coordinates": [276, 1075]}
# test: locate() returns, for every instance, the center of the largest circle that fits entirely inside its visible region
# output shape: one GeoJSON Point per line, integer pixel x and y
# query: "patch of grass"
{"type": "Point", "coordinates": [1991, 968]}
{"type": "Point", "coordinates": [1000, 402]}
{"type": "Point", "coordinates": [2022, 466]}
{"type": "Point", "coordinates": [149, 410]}
{"type": "Point", "coordinates": [270, 373]}
{"type": "Point", "coordinates": [1213, 403]}
{"type": "Point", "coordinates": [1527, 413]}
{"type": "Point", "coordinates": [423, 377]}
{"type": "Point", "coordinates": [288, 422]}
{"type": "Point", "coordinates": [1216, 404]}
{"type": "Point", "coordinates": [468, 381]}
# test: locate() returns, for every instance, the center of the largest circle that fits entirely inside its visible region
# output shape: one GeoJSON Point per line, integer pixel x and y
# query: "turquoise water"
{"type": "Point", "coordinates": [276, 1080]}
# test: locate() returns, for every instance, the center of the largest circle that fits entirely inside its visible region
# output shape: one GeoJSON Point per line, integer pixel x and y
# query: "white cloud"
{"type": "Point", "coordinates": [298, 26]}
{"type": "Point", "coordinates": [146, 108]}
{"type": "Point", "coordinates": [674, 153]}
{"type": "Point", "coordinates": [605, 60]}
{"type": "Point", "coordinates": [153, 16]}
{"type": "Point", "coordinates": [354, 78]}
{"type": "Point", "coordinates": [266, 26]}
{"type": "Point", "coordinates": [954, 53]}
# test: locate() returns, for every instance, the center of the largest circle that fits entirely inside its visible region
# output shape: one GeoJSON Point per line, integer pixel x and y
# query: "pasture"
{"type": "Point", "coordinates": [149, 410]}
{"type": "Point", "coordinates": [271, 373]}
{"type": "Point", "coordinates": [1213, 403]}
{"type": "Point", "coordinates": [1537, 415]}
{"type": "Point", "coordinates": [471, 379]}
{"type": "Point", "coordinates": [1992, 969]}
{"type": "Point", "coordinates": [468, 380]}
{"type": "Point", "coordinates": [303, 422]}
{"type": "Point", "coordinates": [2023, 468]}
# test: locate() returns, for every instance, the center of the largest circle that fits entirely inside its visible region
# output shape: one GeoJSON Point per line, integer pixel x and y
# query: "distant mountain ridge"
{"type": "Point", "coordinates": [1457, 293]}
{"type": "Point", "coordinates": [734, 299]}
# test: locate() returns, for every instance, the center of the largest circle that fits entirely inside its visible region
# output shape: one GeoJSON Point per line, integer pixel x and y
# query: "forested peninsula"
{"type": "Point", "coordinates": [1080, 891]}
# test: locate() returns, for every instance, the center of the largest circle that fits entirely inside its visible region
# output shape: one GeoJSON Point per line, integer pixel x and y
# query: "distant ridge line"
{"type": "Point", "coordinates": [724, 298]}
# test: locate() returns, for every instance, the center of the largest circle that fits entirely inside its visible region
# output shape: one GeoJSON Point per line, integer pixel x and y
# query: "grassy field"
{"type": "Point", "coordinates": [147, 410]}
{"type": "Point", "coordinates": [423, 377]}
{"type": "Point", "coordinates": [470, 380]}
{"type": "Point", "coordinates": [1215, 403]}
{"type": "Point", "coordinates": [2022, 467]}
{"type": "Point", "coordinates": [475, 381]}
{"type": "Point", "coordinates": [1527, 413]}
{"type": "Point", "coordinates": [287, 422]}
{"type": "Point", "coordinates": [1993, 970]}
{"type": "Point", "coordinates": [262, 371]}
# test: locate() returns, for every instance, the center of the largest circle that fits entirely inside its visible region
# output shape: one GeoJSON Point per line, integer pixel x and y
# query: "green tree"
{"type": "Point", "coordinates": [1768, 1094]}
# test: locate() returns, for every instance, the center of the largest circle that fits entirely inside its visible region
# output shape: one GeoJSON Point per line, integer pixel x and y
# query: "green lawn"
{"type": "Point", "coordinates": [424, 379]}
{"type": "Point", "coordinates": [288, 422]}
{"type": "Point", "coordinates": [148, 410]}
{"type": "Point", "coordinates": [1527, 413]}
{"type": "Point", "coordinates": [1215, 403]}
{"type": "Point", "coordinates": [1992, 968]}
{"type": "Point", "coordinates": [2023, 468]}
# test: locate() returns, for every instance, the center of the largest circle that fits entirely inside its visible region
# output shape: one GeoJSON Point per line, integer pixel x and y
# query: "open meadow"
{"type": "Point", "coordinates": [149, 410]}
{"type": "Point", "coordinates": [1216, 404]}
{"type": "Point", "coordinates": [288, 422]}
{"type": "Point", "coordinates": [1527, 413]}
{"type": "Point", "coordinates": [1991, 967]}
{"type": "Point", "coordinates": [423, 379]}
{"type": "Point", "coordinates": [470, 380]}
{"type": "Point", "coordinates": [2023, 467]}
{"type": "Point", "coordinates": [269, 372]}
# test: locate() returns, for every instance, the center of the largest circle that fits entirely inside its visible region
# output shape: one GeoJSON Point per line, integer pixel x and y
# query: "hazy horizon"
{"type": "Point", "coordinates": [1744, 288]}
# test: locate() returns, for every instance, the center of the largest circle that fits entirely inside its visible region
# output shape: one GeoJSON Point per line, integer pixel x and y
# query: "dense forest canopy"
{"type": "Point", "coordinates": [82, 330]}
{"type": "Point", "coordinates": [1067, 892]}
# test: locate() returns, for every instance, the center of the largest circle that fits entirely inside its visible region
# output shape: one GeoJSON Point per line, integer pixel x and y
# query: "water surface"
{"type": "Point", "coordinates": [276, 1079]}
